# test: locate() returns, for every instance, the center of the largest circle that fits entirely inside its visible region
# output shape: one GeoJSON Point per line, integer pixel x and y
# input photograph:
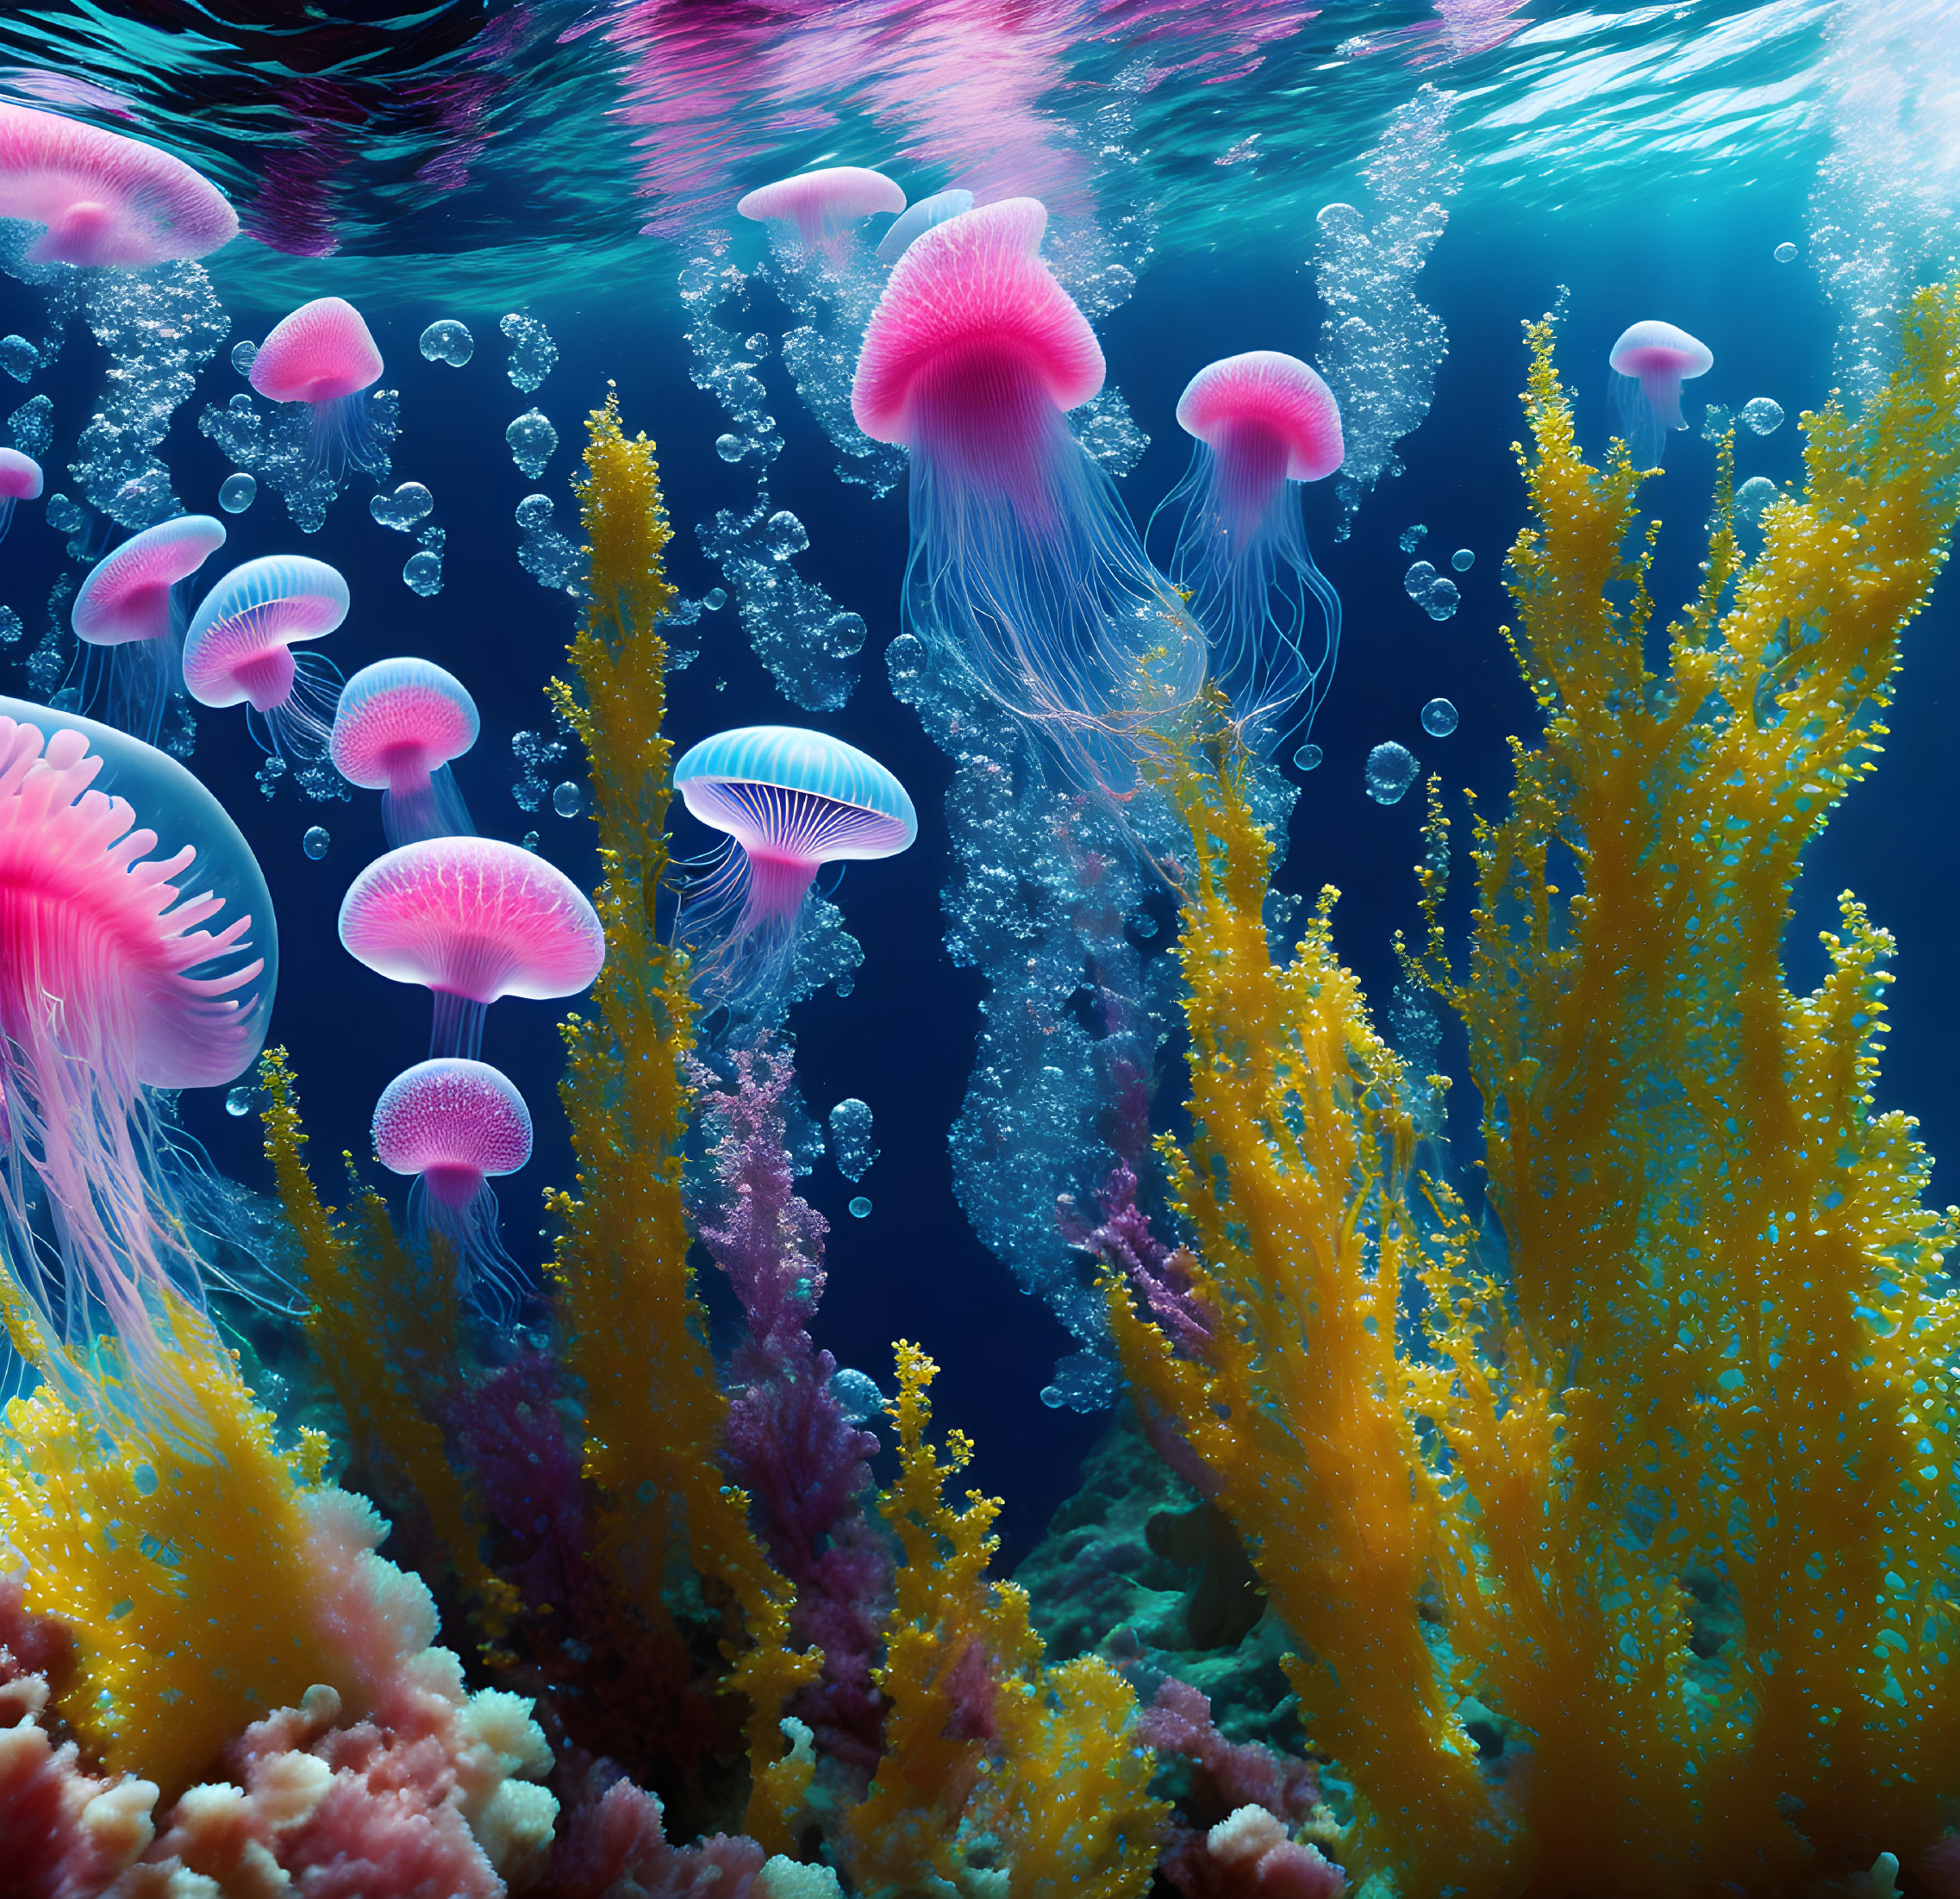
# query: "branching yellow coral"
{"type": "Point", "coordinates": [635, 1329]}
{"type": "Point", "coordinates": [992, 1760]}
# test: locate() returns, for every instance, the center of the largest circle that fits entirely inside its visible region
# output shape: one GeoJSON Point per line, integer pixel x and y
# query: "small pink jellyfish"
{"type": "Point", "coordinates": [105, 199]}
{"type": "Point", "coordinates": [323, 354]}
{"type": "Point", "coordinates": [454, 1124]}
{"type": "Point", "coordinates": [20, 480]}
{"type": "Point", "coordinates": [1651, 362]}
{"type": "Point", "coordinates": [822, 205]}
{"type": "Point", "coordinates": [399, 724]}
{"type": "Point", "coordinates": [472, 919]}
{"type": "Point", "coordinates": [1026, 579]}
{"type": "Point", "coordinates": [132, 611]}
{"type": "Point", "coordinates": [1263, 424]}
{"type": "Point", "coordinates": [238, 649]}
{"type": "Point", "coordinates": [137, 951]}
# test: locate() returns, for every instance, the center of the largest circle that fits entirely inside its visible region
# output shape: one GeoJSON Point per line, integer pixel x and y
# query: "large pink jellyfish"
{"type": "Point", "coordinates": [471, 918]}
{"type": "Point", "coordinates": [238, 650]}
{"type": "Point", "coordinates": [822, 205]}
{"type": "Point", "coordinates": [399, 724]}
{"type": "Point", "coordinates": [1027, 579]}
{"type": "Point", "coordinates": [1650, 363]}
{"type": "Point", "coordinates": [324, 355]}
{"type": "Point", "coordinates": [137, 951]}
{"type": "Point", "coordinates": [132, 608]}
{"type": "Point", "coordinates": [1262, 424]}
{"type": "Point", "coordinates": [452, 1124]}
{"type": "Point", "coordinates": [20, 480]}
{"type": "Point", "coordinates": [104, 199]}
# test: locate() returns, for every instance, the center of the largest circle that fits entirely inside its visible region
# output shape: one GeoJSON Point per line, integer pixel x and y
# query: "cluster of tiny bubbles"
{"type": "Point", "coordinates": [845, 984]}
{"type": "Point", "coordinates": [32, 426]}
{"type": "Point", "coordinates": [568, 799]}
{"type": "Point", "coordinates": [851, 1144]}
{"type": "Point", "coordinates": [18, 357]}
{"type": "Point", "coordinates": [1307, 757]}
{"type": "Point", "coordinates": [1391, 770]}
{"type": "Point", "coordinates": [237, 492]}
{"type": "Point", "coordinates": [1411, 536]}
{"type": "Point", "coordinates": [446, 340]}
{"type": "Point", "coordinates": [10, 626]}
{"type": "Point", "coordinates": [1785, 254]}
{"type": "Point", "coordinates": [1714, 422]}
{"type": "Point", "coordinates": [315, 841]}
{"type": "Point", "coordinates": [244, 353]}
{"type": "Point", "coordinates": [1462, 560]}
{"type": "Point", "coordinates": [860, 1207]}
{"type": "Point", "coordinates": [533, 352]}
{"type": "Point", "coordinates": [271, 769]}
{"type": "Point", "coordinates": [856, 1395]}
{"type": "Point", "coordinates": [534, 751]}
{"type": "Point", "coordinates": [1752, 498]}
{"type": "Point", "coordinates": [1109, 432]}
{"type": "Point", "coordinates": [1438, 719]}
{"type": "Point", "coordinates": [756, 343]}
{"type": "Point", "coordinates": [532, 439]}
{"type": "Point", "coordinates": [1437, 598]}
{"type": "Point", "coordinates": [787, 534]}
{"type": "Point", "coordinates": [530, 841]}
{"type": "Point", "coordinates": [545, 554]}
{"type": "Point", "coordinates": [905, 662]}
{"type": "Point", "coordinates": [422, 573]}
{"type": "Point", "coordinates": [404, 508]}
{"type": "Point", "coordinates": [1764, 415]}
{"type": "Point", "coordinates": [64, 515]}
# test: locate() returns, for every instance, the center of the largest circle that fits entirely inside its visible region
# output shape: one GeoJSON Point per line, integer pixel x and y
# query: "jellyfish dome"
{"type": "Point", "coordinates": [1262, 425]}
{"type": "Point", "coordinates": [1025, 575]}
{"type": "Point", "coordinates": [472, 919]}
{"type": "Point", "coordinates": [20, 480]}
{"type": "Point", "coordinates": [454, 1125]}
{"type": "Point", "coordinates": [238, 649]}
{"type": "Point", "coordinates": [136, 601]}
{"type": "Point", "coordinates": [324, 355]}
{"type": "Point", "coordinates": [104, 199]}
{"type": "Point", "coordinates": [917, 219]}
{"type": "Point", "coordinates": [1651, 362]}
{"type": "Point", "coordinates": [823, 204]}
{"type": "Point", "coordinates": [137, 951]}
{"type": "Point", "coordinates": [399, 723]}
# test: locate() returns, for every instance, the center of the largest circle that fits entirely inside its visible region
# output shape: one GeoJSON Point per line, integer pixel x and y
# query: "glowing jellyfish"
{"type": "Point", "coordinates": [20, 480]}
{"type": "Point", "coordinates": [323, 354]}
{"type": "Point", "coordinates": [104, 199]}
{"type": "Point", "coordinates": [135, 606]}
{"type": "Point", "coordinates": [400, 722]}
{"type": "Point", "coordinates": [1025, 575]}
{"type": "Point", "coordinates": [790, 801]}
{"type": "Point", "coordinates": [1263, 424]}
{"type": "Point", "coordinates": [1651, 362]}
{"type": "Point", "coordinates": [454, 1125]}
{"type": "Point", "coordinates": [822, 205]}
{"type": "Point", "coordinates": [471, 918]}
{"type": "Point", "coordinates": [137, 951]}
{"type": "Point", "coordinates": [917, 219]}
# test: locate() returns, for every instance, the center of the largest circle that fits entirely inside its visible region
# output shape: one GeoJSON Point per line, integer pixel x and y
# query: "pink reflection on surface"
{"type": "Point", "coordinates": [1463, 28]}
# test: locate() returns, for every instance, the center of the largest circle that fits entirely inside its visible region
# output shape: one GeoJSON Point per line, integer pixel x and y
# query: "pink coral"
{"type": "Point", "coordinates": [615, 1847]}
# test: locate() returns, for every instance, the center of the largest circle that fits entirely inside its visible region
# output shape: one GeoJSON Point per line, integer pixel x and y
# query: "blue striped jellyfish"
{"type": "Point", "coordinates": [138, 952]}
{"type": "Point", "coordinates": [131, 614]}
{"type": "Point", "coordinates": [1651, 362]}
{"type": "Point", "coordinates": [1262, 425]}
{"type": "Point", "coordinates": [1025, 578]}
{"type": "Point", "coordinates": [399, 723]}
{"type": "Point", "coordinates": [454, 1125]}
{"type": "Point", "coordinates": [790, 801]}
{"type": "Point", "coordinates": [238, 649]}
{"type": "Point", "coordinates": [916, 219]}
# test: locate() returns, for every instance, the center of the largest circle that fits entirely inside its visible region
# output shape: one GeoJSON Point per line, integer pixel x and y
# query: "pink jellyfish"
{"type": "Point", "coordinates": [399, 724]}
{"type": "Point", "coordinates": [1651, 362]}
{"type": "Point", "coordinates": [452, 1124]}
{"type": "Point", "coordinates": [323, 354]}
{"type": "Point", "coordinates": [823, 204]}
{"type": "Point", "coordinates": [239, 649]}
{"type": "Point", "coordinates": [133, 608]}
{"type": "Point", "coordinates": [472, 919]}
{"type": "Point", "coordinates": [20, 480]}
{"type": "Point", "coordinates": [104, 198]}
{"type": "Point", "coordinates": [1026, 581]}
{"type": "Point", "coordinates": [1262, 425]}
{"type": "Point", "coordinates": [137, 951]}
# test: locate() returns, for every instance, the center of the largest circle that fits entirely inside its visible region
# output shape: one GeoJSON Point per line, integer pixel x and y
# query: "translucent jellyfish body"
{"type": "Point", "coordinates": [916, 219]}
{"type": "Point", "coordinates": [399, 723]}
{"type": "Point", "coordinates": [790, 801]}
{"type": "Point", "coordinates": [455, 1125]}
{"type": "Point", "coordinates": [20, 480]}
{"type": "Point", "coordinates": [1650, 363]}
{"type": "Point", "coordinates": [238, 650]}
{"type": "Point", "coordinates": [1262, 424]}
{"type": "Point", "coordinates": [1024, 573]}
{"type": "Point", "coordinates": [822, 206]}
{"type": "Point", "coordinates": [323, 354]}
{"type": "Point", "coordinates": [140, 954]}
{"type": "Point", "coordinates": [104, 199]}
{"type": "Point", "coordinates": [473, 920]}
{"type": "Point", "coordinates": [131, 612]}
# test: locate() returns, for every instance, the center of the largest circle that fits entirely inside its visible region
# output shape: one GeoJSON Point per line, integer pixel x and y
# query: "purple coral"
{"type": "Point", "coordinates": [614, 1842]}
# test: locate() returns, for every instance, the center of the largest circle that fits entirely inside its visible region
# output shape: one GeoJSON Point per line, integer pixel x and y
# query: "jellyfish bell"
{"type": "Point", "coordinates": [1263, 424]}
{"type": "Point", "coordinates": [104, 199]}
{"type": "Point", "coordinates": [823, 204]}
{"type": "Point", "coordinates": [471, 918]}
{"type": "Point", "coordinates": [1651, 361]}
{"type": "Point", "coordinates": [140, 953]}
{"type": "Point", "coordinates": [134, 605]}
{"type": "Point", "coordinates": [455, 1125]}
{"type": "Point", "coordinates": [399, 723]}
{"type": "Point", "coordinates": [1026, 574]}
{"type": "Point", "coordinates": [324, 355]}
{"type": "Point", "coordinates": [20, 480]}
{"type": "Point", "coordinates": [916, 219]}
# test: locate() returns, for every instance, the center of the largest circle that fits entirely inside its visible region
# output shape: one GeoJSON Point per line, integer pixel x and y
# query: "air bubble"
{"type": "Point", "coordinates": [237, 1101]}
{"type": "Point", "coordinates": [530, 841]}
{"type": "Point", "coordinates": [851, 1143]}
{"type": "Point", "coordinates": [860, 1207]}
{"type": "Point", "coordinates": [424, 573]}
{"type": "Point", "coordinates": [1438, 718]}
{"type": "Point", "coordinates": [1764, 415]}
{"type": "Point", "coordinates": [1419, 579]}
{"type": "Point", "coordinates": [787, 534]}
{"type": "Point", "coordinates": [715, 599]}
{"type": "Point", "coordinates": [243, 355]}
{"type": "Point", "coordinates": [1391, 770]}
{"type": "Point", "coordinates": [532, 438]}
{"type": "Point", "coordinates": [1785, 254]}
{"type": "Point", "coordinates": [237, 492]}
{"type": "Point", "coordinates": [730, 447]}
{"type": "Point", "coordinates": [18, 357]}
{"type": "Point", "coordinates": [1307, 757]}
{"type": "Point", "coordinates": [404, 508]}
{"type": "Point", "coordinates": [315, 841]}
{"type": "Point", "coordinates": [446, 340]}
{"type": "Point", "coordinates": [1462, 560]}
{"type": "Point", "coordinates": [567, 799]}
